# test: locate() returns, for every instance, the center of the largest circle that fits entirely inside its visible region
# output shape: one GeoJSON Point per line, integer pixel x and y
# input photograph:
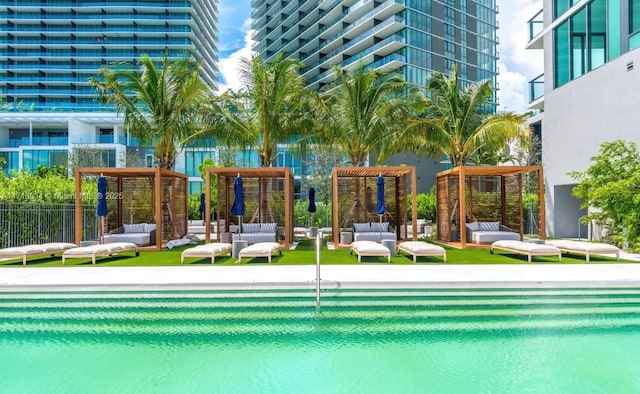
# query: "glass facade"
{"type": "Point", "coordinates": [32, 158]}
{"type": "Point", "coordinates": [49, 52]}
{"type": "Point", "coordinates": [193, 159]}
{"type": "Point", "coordinates": [581, 42]}
{"type": "Point", "coordinates": [12, 162]}
{"type": "Point", "coordinates": [561, 6]}
{"type": "Point", "coordinates": [410, 37]}
{"type": "Point", "coordinates": [634, 24]}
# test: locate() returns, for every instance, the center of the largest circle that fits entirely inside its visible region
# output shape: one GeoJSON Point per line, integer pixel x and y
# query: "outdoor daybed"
{"type": "Point", "coordinates": [489, 232]}
{"type": "Point", "coordinates": [260, 249]}
{"type": "Point", "coordinates": [421, 248]}
{"type": "Point", "coordinates": [526, 248]}
{"type": "Point", "coordinates": [46, 249]}
{"type": "Point", "coordinates": [372, 232]}
{"type": "Point", "coordinates": [370, 248]}
{"type": "Point", "coordinates": [586, 248]}
{"type": "Point", "coordinates": [257, 232]}
{"type": "Point", "coordinates": [208, 250]}
{"type": "Point", "coordinates": [142, 234]}
{"type": "Point", "coordinates": [94, 251]}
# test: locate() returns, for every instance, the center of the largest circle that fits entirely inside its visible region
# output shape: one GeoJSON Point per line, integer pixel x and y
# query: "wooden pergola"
{"type": "Point", "coordinates": [354, 194]}
{"type": "Point", "coordinates": [268, 193]}
{"type": "Point", "coordinates": [489, 193]}
{"type": "Point", "coordinates": [140, 195]}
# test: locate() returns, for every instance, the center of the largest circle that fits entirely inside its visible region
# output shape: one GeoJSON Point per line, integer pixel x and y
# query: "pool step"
{"type": "Point", "coordinates": [343, 312]}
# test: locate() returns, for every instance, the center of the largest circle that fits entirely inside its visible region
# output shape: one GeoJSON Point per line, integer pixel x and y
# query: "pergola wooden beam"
{"type": "Point", "coordinates": [464, 172]}
{"type": "Point", "coordinates": [396, 172]}
{"type": "Point", "coordinates": [229, 173]}
{"type": "Point", "coordinates": [154, 174]}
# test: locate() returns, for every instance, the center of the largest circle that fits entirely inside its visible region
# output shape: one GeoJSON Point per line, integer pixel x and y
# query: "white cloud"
{"type": "Point", "coordinates": [517, 65]}
{"type": "Point", "coordinates": [229, 66]}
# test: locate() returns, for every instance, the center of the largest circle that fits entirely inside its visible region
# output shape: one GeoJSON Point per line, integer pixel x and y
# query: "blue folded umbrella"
{"type": "Point", "coordinates": [381, 208]}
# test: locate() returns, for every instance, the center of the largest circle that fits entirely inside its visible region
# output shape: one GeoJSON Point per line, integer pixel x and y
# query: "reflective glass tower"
{"type": "Point", "coordinates": [411, 37]}
{"type": "Point", "coordinates": [50, 49]}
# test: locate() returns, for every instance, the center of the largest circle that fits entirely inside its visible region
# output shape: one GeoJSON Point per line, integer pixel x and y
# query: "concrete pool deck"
{"type": "Point", "coordinates": [332, 276]}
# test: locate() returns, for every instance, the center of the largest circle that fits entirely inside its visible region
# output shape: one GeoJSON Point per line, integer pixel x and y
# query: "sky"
{"type": "Point", "coordinates": [516, 65]}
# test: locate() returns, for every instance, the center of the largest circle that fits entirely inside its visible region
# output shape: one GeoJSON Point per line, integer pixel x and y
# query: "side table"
{"type": "Point", "coordinates": [238, 245]}
{"type": "Point", "coordinates": [391, 245]}
{"type": "Point", "coordinates": [346, 237]}
{"type": "Point", "coordinates": [225, 237]}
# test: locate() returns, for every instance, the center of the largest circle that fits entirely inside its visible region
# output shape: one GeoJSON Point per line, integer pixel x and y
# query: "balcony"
{"type": "Point", "coordinates": [536, 92]}
{"type": "Point", "coordinates": [536, 26]}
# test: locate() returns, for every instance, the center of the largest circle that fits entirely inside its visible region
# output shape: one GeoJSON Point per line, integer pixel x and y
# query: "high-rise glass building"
{"type": "Point", "coordinates": [411, 37]}
{"type": "Point", "coordinates": [587, 95]}
{"type": "Point", "coordinates": [49, 50]}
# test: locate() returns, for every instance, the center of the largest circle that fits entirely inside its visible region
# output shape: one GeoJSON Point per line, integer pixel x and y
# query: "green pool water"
{"type": "Point", "coordinates": [394, 341]}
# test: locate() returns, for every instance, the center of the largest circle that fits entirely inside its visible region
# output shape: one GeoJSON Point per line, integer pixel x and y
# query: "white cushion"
{"type": "Point", "coordinates": [526, 246]}
{"type": "Point", "coordinates": [265, 248]}
{"type": "Point", "coordinates": [57, 246]}
{"type": "Point", "coordinates": [27, 249]}
{"type": "Point", "coordinates": [134, 228]}
{"type": "Point", "coordinates": [208, 249]}
{"type": "Point", "coordinates": [250, 227]}
{"type": "Point", "coordinates": [377, 227]}
{"type": "Point", "coordinates": [489, 226]}
{"type": "Point", "coordinates": [486, 237]}
{"type": "Point", "coordinates": [473, 226]}
{"type": "Point", "coordinates": [149, 227]}
{"type": "Point", "coordinates": [582, 246]}
{"type": "Point", "coordinates": [369, 247]}
{"type": "Point", "coordinates": [136, 238]}
{"type": "Point", "coordinates": [420, 247]}
{"type": "Point", "coordinates": [269, 227]}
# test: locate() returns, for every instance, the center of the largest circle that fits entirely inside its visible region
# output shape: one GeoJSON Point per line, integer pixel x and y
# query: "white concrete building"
{"type": "Point", "coordinates": [588, 94]}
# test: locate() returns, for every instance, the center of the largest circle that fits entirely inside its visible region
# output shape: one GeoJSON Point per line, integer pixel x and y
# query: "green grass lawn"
{"type": "Point", "coordinates": [305, 255]}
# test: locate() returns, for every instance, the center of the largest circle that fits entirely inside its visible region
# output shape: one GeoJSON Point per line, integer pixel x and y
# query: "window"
{"type": "Point", "coordinates": [561, 6]}
{"type": "Point", "coordinates": [561, 58]}
{"type": "Point", "coordinates": [12, 163]}
{"type": "Point", "coordinates": [634, 16]}
{"type": "Point", "coordinates": [105, 136]}
{"type": "Point", "coordinates": [193, 160]}
{"type": "Point", "coordinates": [31, 159]}
{"type": "Point", "coordinates": [581, 43]}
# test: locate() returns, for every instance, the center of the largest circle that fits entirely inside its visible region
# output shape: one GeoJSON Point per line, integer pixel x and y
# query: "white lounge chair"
{"type": "Point", "coordinates": [94, 251]}
{"type": "Point", "coordinates": [586, 248]}
{"type": "Point", "coordinates": [421, 248]}
{"type": "Point", "coordinates": [208, 250]}
{"type": "Point", "coordinates": [46, 249]}
{"type": "Point", "coordinates": [260, 249]}
{"type": "Point", "coordinates": [370, 248]}
{"type": "Point", "coordinates": [526, 248]}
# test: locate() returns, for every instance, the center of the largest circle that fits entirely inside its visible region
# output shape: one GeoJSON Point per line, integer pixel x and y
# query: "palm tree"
{"type": "Point", "coordinates": [453, 121]}
{"type": "Point", "coordinates": [272, 108]}
{"type": "Point", "coordinates": [159, 104]}
{"type": "Point", "coordinates": [367, 111]}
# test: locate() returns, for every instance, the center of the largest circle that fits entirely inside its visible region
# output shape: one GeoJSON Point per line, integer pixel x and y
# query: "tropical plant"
{"type": "Point", "coordinates": [453, 120]}
{"type": "Point", "coordinates": [45, 185]}
{"type": "Point", "coordinates": [610, 187]}
{"type": "Point", "coordinates": [366, 111]}
{"type": "Point", "coordinates": [272, 108]}
{"type": "Point", "coordinates": [425, 205]}
{"type": "Point", "coordinates": [160, 104]}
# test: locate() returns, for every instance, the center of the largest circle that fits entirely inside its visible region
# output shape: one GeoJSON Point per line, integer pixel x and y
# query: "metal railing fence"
{"type": "Point", "coordinates": [35, 223]}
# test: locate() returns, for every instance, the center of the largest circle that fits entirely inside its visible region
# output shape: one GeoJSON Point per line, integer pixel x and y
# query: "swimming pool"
{"type": "Point", "coordinates": [362, 341]}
